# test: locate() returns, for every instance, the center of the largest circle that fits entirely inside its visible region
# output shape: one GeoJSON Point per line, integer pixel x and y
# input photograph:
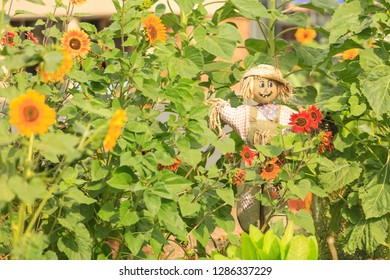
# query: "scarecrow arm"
{"type": "Point", "coordinates": [236, 118]}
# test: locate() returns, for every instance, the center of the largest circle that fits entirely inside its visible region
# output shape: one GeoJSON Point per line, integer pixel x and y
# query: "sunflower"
{"type": "Point", "coordinates": [76, 42]}
{"type": "Point", "coordinates": [270, 170]}
{"type": "Point", "coordinates": [239, 178]}
{"type": "Point", "coordinates": [315, 115]}
{"type": "Point", "coordinates": [326, 142]}
{"type": "Point", "coordinates": [247, 155]}
{"type": "Point", "coordinates": [77, 2]}
{"type": "Point", "coordinates": [8, 38]}
{"type": "Point", "coordinates": [59, 73]}
{"type": "Point", "coordinates": [114, 130]}
{"type": "Point", "coordinates": [305, 36]}
{"type": "Point", "coordinates": [301, 122]}
{"type": "Point", "coordinates": [155, 30]}
{"type": "Point", "coordinates": [30, 114]}
{"type": "Point", "coordinates": [350, 54]}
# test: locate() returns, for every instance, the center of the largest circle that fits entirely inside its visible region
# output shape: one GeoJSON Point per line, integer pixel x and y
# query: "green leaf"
{"type": "Point", "coordinates": [304, 220]}
{"type": "Point", "coordinates": [183, 67]}
{"type": "Point", "coordinates": [120, 181]}
{"type": "Point", "coordinates": [90, 28]}
{"type": "Point", "coordinates": [27, 192]}
{"type": "Point", "coordinates": [301, 189]}
{"type": "Point", "coordinates": [298, 248]}
{"type": "Point", "coordinates": [169, 217]}
{"type": "Point", "coordinates": [195, 55]}
{"type": "Point", "coordinates": [23, 12]}
{"type": "Point", "coordinates": [134, 241]}
{"type": "Point", "coordinates": [251, 9]}
{"type": "Point", "coordinates": [187, 207]}
{"type": "Point", "coordinates": [249, 251]}
{"type": "Point", "coordinates": [375, 196]}
{"type": "Point", "coordinates": [272, 245]}
{"type": "Point", "coordinates": [269, 150]}
{"type": "Point", "coordinates": [337, 174]}
{"type": "Point", "coordinates": [313, 248]}
{"type": "Point", "coordinates": [325, 4]}
{"type": "Point", "coordinates": [187, 5]}
{"type": "Point", "coordinates": [307, 55]}
{"type": "Point", "coordinates": [127, 217]}
{"type": "Point", "coordinates": [202, 234]}
{"type": "Point", "coordinates": [367, 235]}
{"type": "Point", "coordinates": [152, 202]}
{"type": "Point", "coordinates": [376, 88]}
{"type": "Point", "coordinates": [79, 197]}
{"type": "Point", "coordinates": [107, 212]}
{"type": "Point", "coordinates": [54, 144]}
{"type": "Point", "coordinates": [40, 2]}
{"type": "Point", "coordinates": [52, 60]}
{"type": "Point", "coordinates": [76, 245]}
{"type": "Point", "coordinates": [346, 18]}
{"type": "Point", "coordinates": [6, 194]}
{"type": "Point", "coordinates": [30, 247]}
{"type": "Point", "coordinates": [227, 195]}
{"type": "Point", "coordinates": [98, 171]}
{"type": "Point", "coordinates": [224, 145]}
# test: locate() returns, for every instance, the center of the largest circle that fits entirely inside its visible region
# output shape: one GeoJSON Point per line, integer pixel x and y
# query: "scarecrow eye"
{"type": "Point", "coordinates": [261, 85]}
{"type": "Point", "coordinates": [270, 84]}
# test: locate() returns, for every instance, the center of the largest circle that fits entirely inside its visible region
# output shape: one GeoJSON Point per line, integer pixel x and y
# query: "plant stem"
{"type": "Point", "coordinates": [29, 156]}
{"type": "Point", "coordinates": [271, 30]}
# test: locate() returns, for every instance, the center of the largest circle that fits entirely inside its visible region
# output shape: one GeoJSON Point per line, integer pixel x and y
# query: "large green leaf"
{"type": "Point", "coordinates": [375, 196]}
{"type": "Point", "coordinates": [336, 174]}
{"type": "Point", "coordinates": [346, 18]}
{"type": "Point", "coordinates": [76, 245]}
{"type": "Point", "coordinates": [127, 216]}
{"type": "Point", "coordinates": [30, 247]}
{"type": "Point", "coordinates": [367, 235]}
{"type": "Point", "coordinates": [169, 217]}
{"type": "Point", "coordinates": [376, 88]}
{"type": "Point", "coordinates": [251, 9]}
{"type": "Point", "coordinates": [183, 67]}
{"type": "Point", "coordinates": [187, 5]}
{"type": "Point", "coordinates": [299, 248]}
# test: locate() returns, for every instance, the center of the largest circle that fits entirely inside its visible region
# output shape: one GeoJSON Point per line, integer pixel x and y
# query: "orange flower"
{"type": "Point", "coordinates": [30, 114]}
{"type": "Point", "coordinates": [114, 130]}
{"type": "Point", "coordinates": [326, 142]}
{"type": "Point", "coordinates": [77, 2]}
{"type": "Point", "coordinates": [239, 177]}
{"type": "Point", "coordinates": [247, 155]}
{"type": "Point", "coordinates": [305, 36]}
{"type": "Point", "coordinates": [155, 30]}
{"type": "Point", "coordinates": [76, 42]}
{"type": "Point", "coordinates": [270, 170]}
{"type": "Point", "coordinates": [31, 37]}
{"type": "Point", "coordinates": [59, 73]}
{"type": "Point", "coordinates": [8, 38]}
{"type": "Point", "coordinates": [350, 54]}
{"type": "Point", "coordinates": [294, 205]}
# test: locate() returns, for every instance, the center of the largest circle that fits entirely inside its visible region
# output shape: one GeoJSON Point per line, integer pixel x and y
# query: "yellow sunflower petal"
{"type": "Point", "coordinates": [154, 28]}
{"type": "Point", "coordinates": [114, 130]}
{"type": "Point", "coordinates": [30, 114]}
{"type": "Point", "coordinates": [76, 42]}
{"type": "Point", "coordinates": [59, 73]}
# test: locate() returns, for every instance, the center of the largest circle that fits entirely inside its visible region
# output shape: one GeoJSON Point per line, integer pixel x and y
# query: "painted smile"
{"type": "Point", "coordinates": [265, 95]}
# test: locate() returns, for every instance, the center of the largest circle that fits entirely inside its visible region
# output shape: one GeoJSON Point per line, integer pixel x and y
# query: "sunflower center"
{"type": "Point", "coordinates": [30, 113]}
{"type": "Point", "coordinates": [152, 33]}
{"type": "Point", "coordinates": [10, 40]}
{"type": "Point", "coordinates": [247, 155]}
{"type": "Point", "coordinates": [269, 168]}
{"type": "Point", "coordinates": [75, 44]}
{"type": "Point", "coordinates": [301, 122]}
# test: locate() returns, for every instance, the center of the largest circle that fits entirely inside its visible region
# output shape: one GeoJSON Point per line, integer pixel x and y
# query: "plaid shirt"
{"type": "Point", "coordinates": [238, 118]}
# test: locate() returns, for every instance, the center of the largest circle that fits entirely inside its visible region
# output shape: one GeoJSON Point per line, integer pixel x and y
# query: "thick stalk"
{"type": "Point", "coordinates": [271, 30]}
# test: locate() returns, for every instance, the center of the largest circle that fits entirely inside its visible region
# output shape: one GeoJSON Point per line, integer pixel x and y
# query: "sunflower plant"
{"type": "Point", "coordinates": [105, 149]}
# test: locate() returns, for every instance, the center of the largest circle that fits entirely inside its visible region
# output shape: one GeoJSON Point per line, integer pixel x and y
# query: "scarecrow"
{"type": "Point", "coordinates": [256, 125]}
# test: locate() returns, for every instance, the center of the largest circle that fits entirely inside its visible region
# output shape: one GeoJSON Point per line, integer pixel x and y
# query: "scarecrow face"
{"type": "Point", "coordinates": [264, 90]}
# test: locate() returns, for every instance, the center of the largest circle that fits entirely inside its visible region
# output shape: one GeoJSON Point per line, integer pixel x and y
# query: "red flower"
{"type": "Point", "coordinates": [31, 37]}
{"type": "Point", "coordinates": [247, 155]}
{"type": "Point", "coordinates": [173, 167]}
{"type": "Point", "coordinates": [326, 142]}
{"type": "Point", "coordinates": [301, 122]}
{"type": "Point", "coordinates": [8, 38]}
{"type": "Point", "coordinates": [315, 115]}
{"type": "Point", "coordinates": [294, 205]}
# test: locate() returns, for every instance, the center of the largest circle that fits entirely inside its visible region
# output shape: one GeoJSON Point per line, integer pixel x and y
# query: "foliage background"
{"type": "Point", "coordinates": [81, 199]}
